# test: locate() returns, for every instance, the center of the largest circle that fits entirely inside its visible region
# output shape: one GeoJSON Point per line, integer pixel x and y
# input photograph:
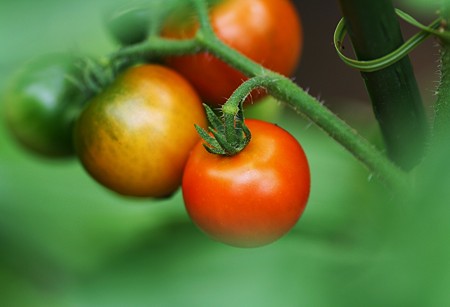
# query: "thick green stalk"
{"type": "Point", "coordinates": [285, 90]}
{"type": "Point", "coordinates": [207, 38]}
{"type": "Point", "coordinates": [157, 47]}
{"type": "Point", "coordinates": [441, 128]}
{"type": "Point", "coordinates": [375, 31]}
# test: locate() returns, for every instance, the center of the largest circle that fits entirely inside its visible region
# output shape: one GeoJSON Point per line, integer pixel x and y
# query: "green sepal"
{"type": "Point", "coordinates": [224, 143]}
{"type": "Point", "coordinates": [215, 122]}
{"type": "Point", "coordinates": [211, 141]}
{"type": "Point", "coordinates": [227, 135]}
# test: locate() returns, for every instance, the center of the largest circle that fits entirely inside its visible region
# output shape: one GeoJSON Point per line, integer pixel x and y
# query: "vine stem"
{"type": "Point", "coordinates": [287, 91]}
{"type": "Point", "coordinates": [280, 87]}
{"type": "Point", "coordinates": [157, 47]}
{"type": "Point", "coordinates": [442, 106]}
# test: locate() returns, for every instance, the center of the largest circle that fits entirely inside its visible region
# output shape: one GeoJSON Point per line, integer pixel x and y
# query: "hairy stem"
{"type": "Point", "coordinates": [441, 128]}
{"type": "Point", "coordinates": [285, 90]}
{"type": "Point", "coordinates": [156, 47]}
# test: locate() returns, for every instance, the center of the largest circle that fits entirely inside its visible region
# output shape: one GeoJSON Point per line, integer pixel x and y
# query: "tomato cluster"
{"type": "Point", "coordinates": [136, 135]}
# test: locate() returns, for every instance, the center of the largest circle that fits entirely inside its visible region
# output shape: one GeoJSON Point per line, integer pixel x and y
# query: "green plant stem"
{"type": "Point", "coordinates": [208, 40]}
{"type": "Point", "coordinates": [156, 47]}
{"type": "Point", "coordinates": [441, 127]}
{"type": "Point", "coordinates": [285, 90]}
{"type": "Point", "coordinates": [375, 31]}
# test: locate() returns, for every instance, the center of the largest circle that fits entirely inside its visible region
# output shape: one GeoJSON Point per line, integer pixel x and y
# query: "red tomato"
{"type": "Point", "coordinates": [254, 197]}
{"type": "Point", "coordinates": [267, 31]}
{"type": "Point", "coordinates": [135, 136]}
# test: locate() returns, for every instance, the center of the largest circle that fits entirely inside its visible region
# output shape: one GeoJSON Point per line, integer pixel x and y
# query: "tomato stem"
{"type": "Point", "coordinates": [227, 136]}
{"type": "Point", "coordinates": [442, 107]}
{"type": "Point", "coordinates": [231, 135]}
{"type": "Point", "coordinates": [203, 17]}
{"type": "Point", "coordinates": [157, 47]}
{"type": "Point", "coordinates": [285, 90]}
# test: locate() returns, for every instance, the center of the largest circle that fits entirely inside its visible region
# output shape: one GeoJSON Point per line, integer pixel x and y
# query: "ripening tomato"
{"type": "Point", "coordinates": [267, 31]}
{"type": "Point", "coordinates": [135, 136]}
{"type": "Point", "coordinates": [254, 197]}
{"type": "Point", "coordinates": [42, 102]}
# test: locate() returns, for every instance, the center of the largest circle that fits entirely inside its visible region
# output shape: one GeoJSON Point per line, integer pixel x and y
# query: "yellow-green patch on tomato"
{"type": "Point", "coordinates": [135, 136]}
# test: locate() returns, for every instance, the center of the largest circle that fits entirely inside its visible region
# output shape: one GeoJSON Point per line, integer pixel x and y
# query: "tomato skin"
{"type": "Point", "coordinates": [253, 198]}
{"type": "Point", "coordinates": [267, 31]}
{"type": "Point", "coordinates": [135, 136]}
{"type": "Point", "coordinates": [41, 104]}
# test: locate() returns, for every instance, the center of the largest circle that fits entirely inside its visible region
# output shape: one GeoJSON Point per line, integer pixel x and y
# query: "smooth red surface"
{"type": "Point", "coordinates": [253, 198]}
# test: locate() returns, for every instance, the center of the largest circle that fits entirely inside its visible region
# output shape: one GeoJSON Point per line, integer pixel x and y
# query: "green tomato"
{"type": "Point", "coordinates": [42, 102]}
{"type": "Point", "coordinates": [128, 25]}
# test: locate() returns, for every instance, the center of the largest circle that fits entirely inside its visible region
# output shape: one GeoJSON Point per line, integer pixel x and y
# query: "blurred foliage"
{"type": "Point", "coordinates": [66, 241]}
{"type": "Point", "coordinates": [424, 6]}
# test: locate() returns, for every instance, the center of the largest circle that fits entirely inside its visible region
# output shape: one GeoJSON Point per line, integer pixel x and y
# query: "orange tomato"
{"type": "Point", "coordinates": [135, 136]}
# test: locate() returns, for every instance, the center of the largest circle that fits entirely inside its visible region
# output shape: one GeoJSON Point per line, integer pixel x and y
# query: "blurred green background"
{"type": "Point", "coordinates": [66, 241]}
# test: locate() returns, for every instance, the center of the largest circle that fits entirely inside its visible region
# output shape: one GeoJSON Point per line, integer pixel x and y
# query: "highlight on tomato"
{"type": "Point", "coordinates": [267, 31]}
{"type": "Point", "coordinates": [135, 136]}
{"type": "Point", "coordinates": [42, 102]}
{"type": "Point", "coordinates": [252, 198]}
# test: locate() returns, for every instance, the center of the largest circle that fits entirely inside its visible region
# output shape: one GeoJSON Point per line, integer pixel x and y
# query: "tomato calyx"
{"type": "Point", "coordinates": [98, 74]}
{"type": "Point", "coordinates": [227, 135]}
{"type": "Point", "coordinates": [94, 75]}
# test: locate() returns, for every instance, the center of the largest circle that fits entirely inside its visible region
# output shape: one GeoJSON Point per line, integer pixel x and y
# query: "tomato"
{"type": "Point", "coordinates": [254, 197]}
{"type": "Point", "coordinates": [42, 102]}
{"type": "Point", "coordinates": [267, 31]}
{"type": "Point", "coordinates": [136, 135]}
